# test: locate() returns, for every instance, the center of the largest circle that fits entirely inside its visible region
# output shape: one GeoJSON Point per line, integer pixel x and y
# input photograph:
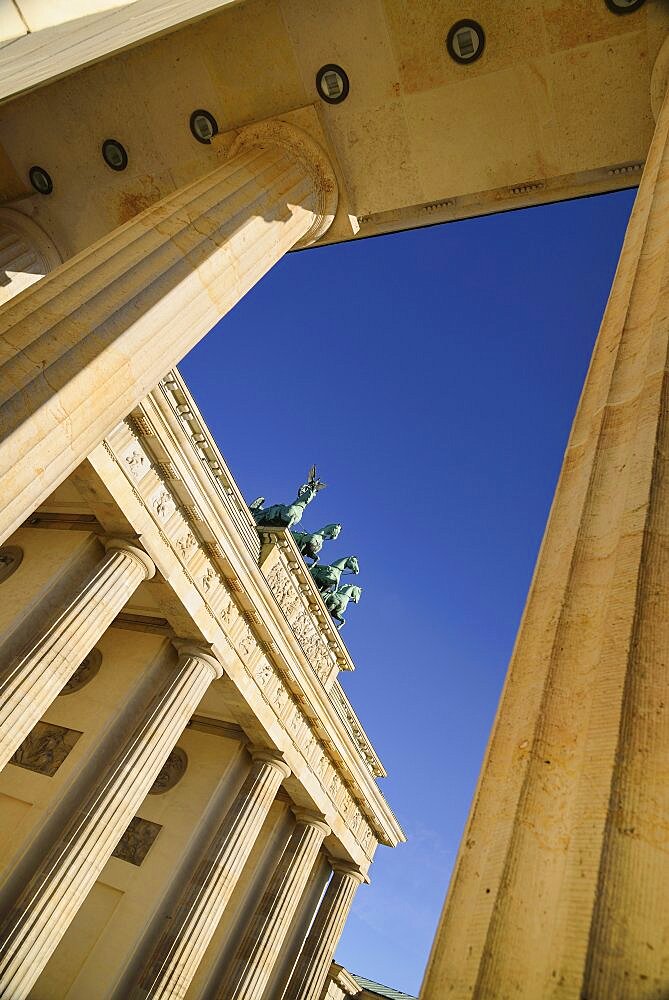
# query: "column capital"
{"type": "Point", "coordinates": [311, 154]}
{"type": "Point", "coordinates": [343, 867]}
{"type": "Point", "coordinates": [133, 549]}
{"type": "Point", "coordinates": [310, 817]}
{"type": "Point", "coordinates": [269, 756]}
{"type": "Point", "coordinates": [188, 647]}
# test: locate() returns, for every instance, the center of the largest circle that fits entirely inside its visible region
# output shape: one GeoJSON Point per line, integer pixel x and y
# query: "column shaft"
{"type": "Point", "coordinates": [313, 965]}
{"type": "Point", "coordinates": [178, 954]}
{"type": "Point", "coordinates": [561, 883]}
{"type": "Point", "coordinates": [252, 965]}
{"type": "Point", "coordinates": [34, 678]}
{"type": "Point", "coordinates": [80, 348]}
{"type": "Point", "coordinates": [45, 909]}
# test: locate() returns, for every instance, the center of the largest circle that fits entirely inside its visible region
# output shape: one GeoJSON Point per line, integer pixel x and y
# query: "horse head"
{"type": "Point", "coordinates": [352, 564]}
{"type": "Point", "coordinates": [331, 531]}
{"type": "Point", "coordinates": [352, 591]}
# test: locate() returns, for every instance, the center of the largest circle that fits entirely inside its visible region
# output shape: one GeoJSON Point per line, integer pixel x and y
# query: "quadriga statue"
{"type": "Point", "coordinates": [281, 515]}
{"type": "Point", "coordinates": [310, 544]}
{"type": "Point", "coordinates": [327, 577]}
{"type": "Point", "coordinates": [338, 602]}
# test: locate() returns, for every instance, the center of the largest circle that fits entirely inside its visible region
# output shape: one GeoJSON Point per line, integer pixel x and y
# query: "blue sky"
{"type": "Point", "coordinates": [432, 376]}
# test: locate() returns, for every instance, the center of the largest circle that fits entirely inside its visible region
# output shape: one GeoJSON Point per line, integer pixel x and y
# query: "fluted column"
{"type": "Point", "coordinates": [34, 678]}
{"type": "Point", "coordinates": [313, 965]}
{"type": "Point", "coordinates": [251, 967]}
{"type": "Point", "coordinates": [45, 909]}
{"type": "Point", "coordinates": [561, 884]}
{"type": "Point", "coordinates": [79, 349]}
{"type": "Point", "coordinates": [178, 954]}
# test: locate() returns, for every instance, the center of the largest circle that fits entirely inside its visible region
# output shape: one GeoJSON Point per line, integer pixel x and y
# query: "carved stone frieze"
{"type": "Point", "coordinates": [136, 462]}
{"type": "Point", "coordinates": [186, 544]}
{"type": "Point", "coordinates": [45, 748]}
{"type": "Point", "coordinates": [84, 673]}
{"type": "Point", "coordinates": [171, 772]}
{"type": "Point", "coordinates": [284, 590]}
{"type": "Point", "coordinates": [162, 504]}
{"type": "Point", "coordinates": [247, 642]}
{"type": "Point", "coordinates": [304, 627]}
{"type": "Point", "coordinates": [137, 840]}
{"type": "Point", "coordinates": [263, 672]}
{"type": "Point", "coordinates": [280, 698]}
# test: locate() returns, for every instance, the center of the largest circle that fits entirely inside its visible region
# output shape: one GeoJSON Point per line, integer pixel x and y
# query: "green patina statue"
{"type": "Point", "coordinates": [311, 544]}
{"type": "Point", "coordinates": [281, 515]}
{"type": "Point", "coordinates": [337, 602]}
{"type": "Point", "coordinates": [327, 578]}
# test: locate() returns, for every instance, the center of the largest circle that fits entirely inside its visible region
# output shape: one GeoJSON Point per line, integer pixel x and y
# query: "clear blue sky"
{"type": "Point", "coordinates": [432, 376]}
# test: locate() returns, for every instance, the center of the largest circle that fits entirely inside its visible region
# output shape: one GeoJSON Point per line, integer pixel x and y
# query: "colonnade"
{"type": "Point", "coordinates": [77, 351]}
{"type": "Point", "coordinates": [561, 883]}
{"type": "Point", "coordinates": [32, 926]}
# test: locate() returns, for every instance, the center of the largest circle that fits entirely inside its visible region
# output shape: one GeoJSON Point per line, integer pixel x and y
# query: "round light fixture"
{"type": "Point", "coordinates": [114, 154]}
{"type": "Point", "coordinates": [624, 6]}
{"type": "Point", "coordinates": [40, 180]}
{"type": "Point", "coordinates": [332, 84]}
{"type": "Point", "coordinates": [465, 41]}
{"type": "Point", "coordinates": [203, 125]}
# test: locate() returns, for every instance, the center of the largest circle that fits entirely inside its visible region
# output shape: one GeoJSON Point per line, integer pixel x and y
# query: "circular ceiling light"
{"type": "Point", "coordinates": [203, 126]}
{"type": "Point", "coordinates": [465, 41]}
{"type": "Point", "coordinates": [332, 84]}
{"type": "Point", "coordinates": [114, 154]}
{"type": "Point", "coordinates": [40, 180]}
{"type": "Point", "coordinates": [624, 6]}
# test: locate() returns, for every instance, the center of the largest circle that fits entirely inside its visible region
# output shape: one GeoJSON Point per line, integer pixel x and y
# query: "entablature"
{"type": "Point", "coordinates": [190, 521]}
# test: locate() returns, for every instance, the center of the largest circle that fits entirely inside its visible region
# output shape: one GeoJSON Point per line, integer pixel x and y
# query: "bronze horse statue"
{"type": "Point", "coordinates": [337, 602]}
{"type": "Point", "coordinates": [327, 578]}
{"type": "Point", "coordinates": [310, 544]}
{"type": "Point", "coordinates": [281, 515]}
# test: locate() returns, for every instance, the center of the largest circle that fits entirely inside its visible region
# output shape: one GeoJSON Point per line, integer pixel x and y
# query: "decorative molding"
{"type": "Point", "coordinates": [137, 841]}
{"type": "Point", "coordinates": [357, 733]}
{"type": "Point", "coordinates": [217, 727]}
{"type": "Point", "coordinates": [143, 623]}
{"type": "Point", "coordinates": [173, 391]}
{"type": "Point", "coordinates": [45, 748]}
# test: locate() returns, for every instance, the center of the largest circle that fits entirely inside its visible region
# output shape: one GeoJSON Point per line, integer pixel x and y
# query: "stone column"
{"type": "Point", "coordinates": [34, 678]}
{"type": "Point", "coordinates": [252, 965]}
{"type": "Point", "coordinates": [178, 954]}
{"type": "Point", "coordinates": [311, 971]}
{"type": "Point", "coordinates": [79, 349]}
{"type": "Point", "coordinates": [560, 888]}
{"type": "Point", "coordinates": [38, 920]}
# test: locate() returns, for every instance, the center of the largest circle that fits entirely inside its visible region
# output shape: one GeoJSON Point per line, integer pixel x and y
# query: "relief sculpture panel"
{"type": "Point", "coordinates": [303, 627]}
{"type": "Point", "coordinates": [137, 840]}
{"type": "Point", "coordinates": [45, 748]}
